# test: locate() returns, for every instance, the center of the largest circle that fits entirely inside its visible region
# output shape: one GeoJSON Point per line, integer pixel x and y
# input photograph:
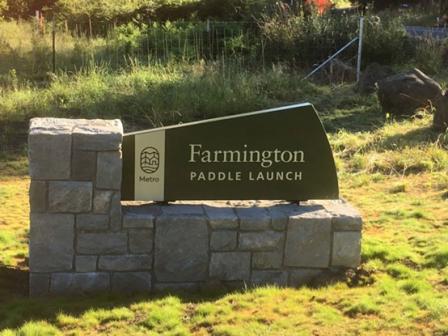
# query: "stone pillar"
{"type": "Point", "coordinates": [75, 169]}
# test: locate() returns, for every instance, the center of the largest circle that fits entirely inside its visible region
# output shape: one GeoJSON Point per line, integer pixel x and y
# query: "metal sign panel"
{"type": "Point", "coordinates": [280, 153]}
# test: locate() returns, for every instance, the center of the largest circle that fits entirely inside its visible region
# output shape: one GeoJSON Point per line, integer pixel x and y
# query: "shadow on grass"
{"type": "Point", "coordinates": [16, 308]}
{"type": "Point", "coordinates": [410, 139]}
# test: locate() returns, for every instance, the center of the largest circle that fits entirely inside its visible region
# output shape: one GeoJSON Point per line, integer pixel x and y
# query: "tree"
{"type": "Point", "coordinates": [98, 10]}
{"type": "Point", "coordinates": [17, 9]}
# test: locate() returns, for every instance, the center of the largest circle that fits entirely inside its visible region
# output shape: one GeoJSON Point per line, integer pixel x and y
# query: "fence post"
{"type": "Point", "coordinates": [360, 40]}
{"type": "Point", "coordinates": [53, 35]}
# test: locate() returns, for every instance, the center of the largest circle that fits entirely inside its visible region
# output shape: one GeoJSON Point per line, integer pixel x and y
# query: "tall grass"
{"type": "Point", "coordinates": [283, 37]}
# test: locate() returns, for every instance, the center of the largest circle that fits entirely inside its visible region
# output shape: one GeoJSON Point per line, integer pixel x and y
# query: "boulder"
{"type": "Point", "coordinates": [371, 75]}
{"type": "Point", "coordinates": [404, 93]}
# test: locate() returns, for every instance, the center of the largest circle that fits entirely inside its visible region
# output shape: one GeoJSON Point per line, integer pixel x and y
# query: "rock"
{"type": "Point", "coordinates": [97, 135]}
{"type": "Point", "coordinates": [304, 276]}
{"type": "Point", "coordinates": [115, 212]}
{"type": "Point", "coordinates": [102, 243]}
{"type": "Point", "coordinates": [138, 221]}
{"type": "Point", "coordinates": [371, 75]}
{"type": "Point", "coordinates": [125, 263]}
{"type": "Point", "coordinates": [223, 240]}
{"type": "Point", "coordinates": [38, 196]}
{"type": "Point", "coordinates": [177, 287]}
{"type": "Point", "coordinates": [280, 215]}
{"type": "Point", "coordinates": [85, 263]}
{"type": "Point", "coordinates": [130, 282]}
{"type": "Point", "coordinates": [403, 94]}
{"type": "Point", "coordinates": [51, 242]}
{"type": "Point", "coordinates": [253, 219]}
{"type": "Point", "coordinates": [181, 248]}
{"type": "Point", "coordinates": [221, 217]}
{"type": "Point", "coordinates": [440, 121]}
{"type": "Point", "coordinates": [92, 222]}
{"type": "Point", "coordinates": [83, 165]}
{"type": "Point", "coordinates": [308, 239]}
{"type": "Point", "coordinates": [70, 196]}
{"type": "Point", "coordinates": [49, 146]}
{"type": "Point", "coordinates": [260, 241]}
{"type": "Point", "coordinates": [101, 201]}
{"type": "Point", "coordinates": [183, 209]}
{"type": "Point", "coordinates": [141, 241]}
{"type": "Point", "coordinates": [345, 216]}
{"type": "Point", "coordinates": [279, 278]}
{"type": "Point", "coordinates": [108, 172]}
{"type": "Point", "coordinates": [346, 249]}
{"type": "Point", "coordinates": [267, 260]}
{"type": "Point", "coordinates": [230, 265]}
{"type": "Point", "coordinates": [79, 283]}
{"type": "Point", "coordinates": [39, 284]}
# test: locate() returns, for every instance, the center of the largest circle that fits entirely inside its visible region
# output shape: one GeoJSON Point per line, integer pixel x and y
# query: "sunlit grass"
{"type": "Point", "coordinates": [403, 280]}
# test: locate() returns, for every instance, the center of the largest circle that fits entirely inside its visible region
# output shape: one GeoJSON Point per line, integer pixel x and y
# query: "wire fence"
{"type": "Point", "coordinates": [243, 42]}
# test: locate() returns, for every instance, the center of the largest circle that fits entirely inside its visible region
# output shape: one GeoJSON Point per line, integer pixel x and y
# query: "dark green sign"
{"type": "Point", "coordinates": [280, 153]}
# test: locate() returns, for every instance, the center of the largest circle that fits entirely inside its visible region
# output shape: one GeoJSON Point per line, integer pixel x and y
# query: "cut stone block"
{"type": "Point", "coordinates": [39, 284]}
{"type": "Point", "coordinates": [345, 216]}
{"type": "Point", "coordinates": [260, 241]}
{"type": "Point", "coordinates": [221, 218]}
{"type": "Point", "coordinates": [51, 242]}
{"type": "Point", "coordinates": [86, 263]}
{"type": "Point", "coordinates": [223, 240]}
{"type": "Point", "coordinates": [308, 240]}
{"type": "Point", "coordinates": [92, 222]}
{"type": "Point", "coordinates": [174, 287]}
{"type": "Point", "coordinates": [79, 283]}
{"type": "Point", "coordinates": [304, 276]}
{"type": "Point", "coordinates": [279, 278]}
{"type": "Point", "coordinates": [230, 265]}
{"type": "Point", "coordinates": [346, 249]}
{"type": "Point", "coordinates": [253, 219]}
{"type": "Point", "coordinates": [181, 248]}
{"type": "Point", "coordinates": [49, 142]}
{"type": "Point", "coordinates": [131, 282]}
{"type": "Point", "coordinates": [125, 263]}
{"type": "Point", "coordinates": [267, 260]}
{"type": "Point", "coordinates": [280, 215]}
{"type": "Point", "coordinates": [115, 212]}
{"type": "Point", "coordinates": [101, 201]}
{"type": "Point", "coordinates": [183, 209]}
{"type": "Point", "coordinates": [108, 172]}
{"type": "Point", "coordinates": [38, 196]}
{"type": "Point", "coordinates": [102, 243]}
{"type": "Point", "coordinates": [141, 241]}
{"type": "Point", "coordinates": [138, 221]}
{"type": "Point", "coordinates": [98, 135]}
{"type": "Point", "coordinates": [83, 165]}
{"type": "Point", "coordinates": [70, 196]}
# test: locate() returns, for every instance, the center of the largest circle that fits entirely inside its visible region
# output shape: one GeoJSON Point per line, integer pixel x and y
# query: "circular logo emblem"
{"type": "Point", "coordinates": [149, 160]}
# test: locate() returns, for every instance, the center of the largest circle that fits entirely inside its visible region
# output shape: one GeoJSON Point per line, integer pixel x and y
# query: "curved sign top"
{"type": "Point", "coordinates": [274, 154]}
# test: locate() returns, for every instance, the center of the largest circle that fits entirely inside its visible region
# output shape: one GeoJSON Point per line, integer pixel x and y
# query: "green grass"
{"type": "Point", "coordinates": [395, 172]}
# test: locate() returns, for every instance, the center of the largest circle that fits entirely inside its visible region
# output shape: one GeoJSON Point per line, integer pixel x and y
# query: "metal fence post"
{"type": "Point", "coordinates": [53, 35]}
{"type": "Point", "coordinates": [360, 40]}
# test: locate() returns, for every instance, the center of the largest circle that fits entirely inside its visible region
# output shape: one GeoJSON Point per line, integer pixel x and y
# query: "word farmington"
{"type": "Point", "coordinates": [266, 158]}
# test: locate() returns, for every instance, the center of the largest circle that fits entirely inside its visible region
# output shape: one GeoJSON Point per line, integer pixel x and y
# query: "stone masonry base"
{"type": "Point", "coordinates": [83, 240]}
{"type": "Point", "coordinates": [192, 246]}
